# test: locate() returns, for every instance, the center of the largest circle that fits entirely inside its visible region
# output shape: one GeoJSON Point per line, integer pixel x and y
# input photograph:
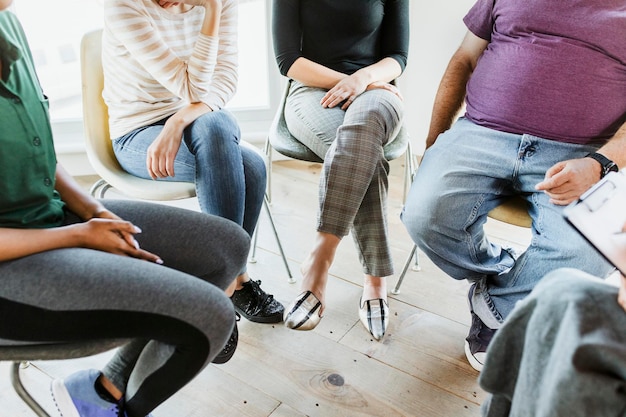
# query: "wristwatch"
{"type": "Point", "coordinates": [607, 164]}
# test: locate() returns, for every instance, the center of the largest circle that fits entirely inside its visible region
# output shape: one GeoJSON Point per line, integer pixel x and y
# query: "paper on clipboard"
{"type": "Point", "coordinates": [599, 216]}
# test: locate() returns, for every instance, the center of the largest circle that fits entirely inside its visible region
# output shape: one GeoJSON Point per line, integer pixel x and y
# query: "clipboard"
{"type": "Point", "coordinates": [599, 215]}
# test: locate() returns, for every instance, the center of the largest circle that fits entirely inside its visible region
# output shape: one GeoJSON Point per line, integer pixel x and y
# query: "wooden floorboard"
{"type": "Point", "coordinates": [418, 369]}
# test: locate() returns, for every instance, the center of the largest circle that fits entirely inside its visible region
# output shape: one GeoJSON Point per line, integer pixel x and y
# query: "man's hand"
{"type": "Point", "coordinates": [566, 181]}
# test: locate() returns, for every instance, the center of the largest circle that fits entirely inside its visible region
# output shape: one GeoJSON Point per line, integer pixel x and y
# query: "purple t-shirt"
{"type": "Point", "coordinates": [553, 68]}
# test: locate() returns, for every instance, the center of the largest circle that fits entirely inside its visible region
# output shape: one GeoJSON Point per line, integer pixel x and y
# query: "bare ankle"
{"type": "Point", "coordinates": [374, 288]}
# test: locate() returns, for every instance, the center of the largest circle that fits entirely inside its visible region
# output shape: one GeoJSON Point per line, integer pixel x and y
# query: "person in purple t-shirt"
{"type": "Point", "coordinates": [544, 83]}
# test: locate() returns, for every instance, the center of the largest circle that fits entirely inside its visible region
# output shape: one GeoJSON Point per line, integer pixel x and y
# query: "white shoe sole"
{"type": "Point", "coordinates": [62, 399]}
{"type": "Point", "coordinates": [472, 359]}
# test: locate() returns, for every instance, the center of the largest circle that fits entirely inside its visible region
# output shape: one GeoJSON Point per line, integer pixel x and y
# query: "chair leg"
{"type": "Point", "coordinates": [416, 267]}
{"type": "Point", "coordinates": [255, 235]}
{"type": "Point", "coordinates": [99, 188]}
{"type": "Point", "coordinates": [268, 154]}
{"type": "Point", "coordinates": [266, 204]}
{"type": "Point", "coordinates": [409, 171]}
{"type": "Point", "coordinates": [407, 177]}
{"type": "Point", "coordinates": [23, 393]}
{"type": "Point", "coordinates": [97, 185]}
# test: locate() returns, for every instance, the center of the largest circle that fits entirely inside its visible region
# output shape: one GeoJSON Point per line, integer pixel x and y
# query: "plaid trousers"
{"type": "Point", "coordinates": [354, 181]}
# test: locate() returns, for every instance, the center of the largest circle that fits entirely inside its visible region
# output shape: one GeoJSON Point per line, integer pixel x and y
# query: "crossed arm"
{"type": "Point", "coordinates": [342, 87]}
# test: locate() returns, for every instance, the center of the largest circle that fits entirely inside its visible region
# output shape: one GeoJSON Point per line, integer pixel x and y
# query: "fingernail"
{"type": "Point", "coordinates": [138, 230]}
{"type": "Point", "coordinates": [159, 261]}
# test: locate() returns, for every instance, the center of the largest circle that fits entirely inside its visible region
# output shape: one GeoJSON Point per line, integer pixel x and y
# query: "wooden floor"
{"type": "Point", "coordinates": [418, 369]}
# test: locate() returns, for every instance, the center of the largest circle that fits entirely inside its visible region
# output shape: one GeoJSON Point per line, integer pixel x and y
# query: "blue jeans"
{"type": "Point", "coordinates": [467, 172]}
{"type": "Point", "coordinates": [230, 179]}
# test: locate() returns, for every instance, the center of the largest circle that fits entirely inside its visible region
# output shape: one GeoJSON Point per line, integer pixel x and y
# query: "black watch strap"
{"type": "Point", "coordinates": [607, 164]}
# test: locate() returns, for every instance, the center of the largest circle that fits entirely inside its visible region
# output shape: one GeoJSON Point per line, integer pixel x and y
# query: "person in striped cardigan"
{"type": "Point", "coordinates": [169, 70]}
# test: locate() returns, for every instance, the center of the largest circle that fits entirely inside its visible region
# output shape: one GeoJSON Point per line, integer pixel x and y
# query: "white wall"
{"type": "Point", "coordinates": [436, 32]}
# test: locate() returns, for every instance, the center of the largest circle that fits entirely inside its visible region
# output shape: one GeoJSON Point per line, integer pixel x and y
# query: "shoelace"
{"type": "Point", "coordinates": [265, 297]}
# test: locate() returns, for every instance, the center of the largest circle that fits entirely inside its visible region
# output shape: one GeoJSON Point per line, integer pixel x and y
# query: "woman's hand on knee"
{"type": "Point", "coordinates": [345, 91]}
{"type": "Point", "coordinates": [113, 236]}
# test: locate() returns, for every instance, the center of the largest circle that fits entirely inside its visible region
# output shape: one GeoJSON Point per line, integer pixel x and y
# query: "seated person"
{"type": "Point", "coordinates": [561, 351]}
{"type": "Point", "coordinates": [74, 268]}
{"type": "Point", "coordinates": [166, 96]}
{"type": "Point", "coordinates": [343, 57]}
{"type": "Point", "coordinates": [544, 85]}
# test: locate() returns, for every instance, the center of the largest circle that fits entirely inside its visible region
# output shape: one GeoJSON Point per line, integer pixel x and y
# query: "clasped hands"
{"type": "Point", "coordinates": [350, 87]}
{"type": "Point", "coordinates": [107, 232]}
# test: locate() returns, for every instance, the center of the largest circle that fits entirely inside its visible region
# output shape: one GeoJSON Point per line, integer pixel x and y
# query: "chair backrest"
{"type": "Point", "coordinates": [285, 143]}
{"type": "Point", "coordinates": [98, 141]}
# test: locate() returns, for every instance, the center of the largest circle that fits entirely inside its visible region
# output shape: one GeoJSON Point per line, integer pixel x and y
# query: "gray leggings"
{"type": "Point", "coordinates": [177, 314]}
{"type": "Point", "coordinates": [353, 184]}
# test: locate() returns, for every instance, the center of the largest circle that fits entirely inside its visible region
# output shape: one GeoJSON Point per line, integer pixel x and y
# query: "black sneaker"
{"type": "Point", "coordinates": [478, 339]}
{"type": "Point", "coordinates": [256, 305]}
{"type": "Point", "coordinates": [231, 345]}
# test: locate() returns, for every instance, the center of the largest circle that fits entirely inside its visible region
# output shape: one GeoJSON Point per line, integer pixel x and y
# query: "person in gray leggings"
{"type": "Point", "coordinates": [561, 351]}
{"type": "Point", "coordinates": [176, 314]}
{"type": "Point", "coordinates": [75, 268]}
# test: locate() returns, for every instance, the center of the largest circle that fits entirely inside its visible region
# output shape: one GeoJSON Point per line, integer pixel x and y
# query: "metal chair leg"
{"type": "Point", "coordinates": [23, 393]}
{"type": "Point", "coordinates": [266, 204]}
{"type": "Point", "coordinates": [408, 172]}
{"type": "Point", "coordinates": [268, 153]}
{"type": "Point", "coordinates": [416, 267]}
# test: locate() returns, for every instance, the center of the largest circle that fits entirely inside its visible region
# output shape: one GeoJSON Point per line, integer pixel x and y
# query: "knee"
{"type": "Point", "coordinates": [423, 212]}
{"type": "Point", "coordinates": [566, 285]}
{"type": "Point", "coordinates": [417, 220]}
{"type": "Point", "coordinates": [220, 126]}
{"type": "Point", "coordinates": [380, 107]}
{"type": "Point", "coordinates": [254, 167]}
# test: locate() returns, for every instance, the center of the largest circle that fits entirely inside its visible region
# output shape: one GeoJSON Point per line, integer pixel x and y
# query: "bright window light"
{"type": "Point", "coordinates": [54, 35]}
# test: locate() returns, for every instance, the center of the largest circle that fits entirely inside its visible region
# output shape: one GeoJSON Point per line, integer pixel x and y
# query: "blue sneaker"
{"type": "Point", "coordinates": [76, 396]}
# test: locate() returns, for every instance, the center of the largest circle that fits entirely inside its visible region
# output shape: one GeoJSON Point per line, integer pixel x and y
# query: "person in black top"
{"type": "Point", "coordinates": [341, 58]}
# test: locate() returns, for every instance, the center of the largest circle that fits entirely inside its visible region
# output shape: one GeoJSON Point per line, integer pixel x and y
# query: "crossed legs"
{"type": "Point", "coordinates": [353, 192]}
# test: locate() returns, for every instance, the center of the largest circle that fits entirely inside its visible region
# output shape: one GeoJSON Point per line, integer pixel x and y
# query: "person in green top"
{"type": "Point", "coordinates": [76, 268]}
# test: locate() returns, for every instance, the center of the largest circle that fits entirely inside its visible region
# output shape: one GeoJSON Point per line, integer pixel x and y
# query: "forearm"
{"type": "Point", "coordinates": [186, 116]}
{"type": "Point", "coordinates": [615, 149]}
{"type": "Point", "coordinates": [17, 243]}
{"type": "Point", "coordinates": [385, 70]}
{"type": "Point", "coordinates": [313, 74]}
{"type": "Point", "coordinates": [452, 89]}
{"type": "Point", "coordinates": [78, 201]}
{"type": "Point", "coordinates": [212, 14]}
{"type": "Point", "coordinates": [448, 100]}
